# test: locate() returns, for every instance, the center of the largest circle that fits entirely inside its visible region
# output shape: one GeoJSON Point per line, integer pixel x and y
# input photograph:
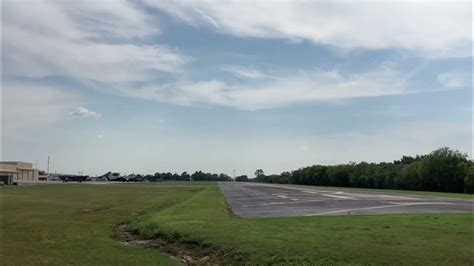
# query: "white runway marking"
{"type": "Point", "coordinates": [294, 199]}
{"type": "Point", "coordinates": [397, 197]}
{"type": "Point", "coordinates": [429, 203]}
{"type": "Point", "coordinates": [254, 198]}
{"type": "Point", "coordinates": [337, 196]}
{"type": "Point", "coordinates": [280, 196]}
{"type": "Point", "coordinates": [279, 203]}
{"type": "Point", "coordinates": [386, 206]}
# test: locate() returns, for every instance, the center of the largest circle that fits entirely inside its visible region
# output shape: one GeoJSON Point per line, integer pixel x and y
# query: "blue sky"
{"type": "Point", "coordinates": [145, 86]}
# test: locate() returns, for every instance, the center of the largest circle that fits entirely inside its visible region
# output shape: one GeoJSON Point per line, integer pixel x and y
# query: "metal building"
{"type": "Point", "coordinates": [19, 171]}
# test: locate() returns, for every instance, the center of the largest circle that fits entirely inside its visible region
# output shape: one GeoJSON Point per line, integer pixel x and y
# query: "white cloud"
{"type": "Point", "coordinates": [455, 79]}
{"type": "Point", "coordinates": [82, 40]}
{"type": "Point", "coordinates": [85, 113]}
{"type": "Point", "coordinates": [97, 42]}
{"type": "Point", "coordinates": [119, 18]}
{"type": "Point", "coordinates": [244, 72]}
{"type": "Point", "coordinates": [85, 61]}
{"type": "Point", "coordinates": [434, 29]}
{"type": "Point", "coordinates": [100, 136]}
{"type": "Point", "coordinates": [207, 17]}
{"type": "Point", "coordinates": [299, 87]}
{"type": "Point", "coordinates": [78, 20]}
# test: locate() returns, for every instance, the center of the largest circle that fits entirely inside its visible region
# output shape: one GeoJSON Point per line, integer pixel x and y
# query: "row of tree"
{"type": "Point", "coordinates": [442, 170]}
{"type": "Point", "coordinates": [196, 176]}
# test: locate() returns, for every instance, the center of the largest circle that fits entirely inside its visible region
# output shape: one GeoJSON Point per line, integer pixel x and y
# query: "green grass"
{"type": "Point", "coordinates": [74, 224]}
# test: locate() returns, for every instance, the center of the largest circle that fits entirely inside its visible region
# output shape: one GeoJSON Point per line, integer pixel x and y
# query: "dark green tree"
{"type": "Point", "coordinates": [242, 178]}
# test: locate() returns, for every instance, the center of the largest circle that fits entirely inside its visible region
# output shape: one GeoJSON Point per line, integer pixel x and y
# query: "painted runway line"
{"type": "Point", "coordinates": [280, 196]}
{"type": "Point", "coordinates": [280, 203]}
{"type": "Point", "coordinates": [395, 205]}
{"type": "Point", "coordinates": [372, 195]}
{"type": "Point", "coordinates": [337, 196]}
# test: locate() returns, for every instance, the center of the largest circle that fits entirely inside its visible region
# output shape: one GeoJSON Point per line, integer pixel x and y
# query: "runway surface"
{"type": "Point", "coordinates": [267, 200]}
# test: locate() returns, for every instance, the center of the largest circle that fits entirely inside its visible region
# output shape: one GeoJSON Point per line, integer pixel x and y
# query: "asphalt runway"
{"type": "Point", "coordinates": [270, 200]}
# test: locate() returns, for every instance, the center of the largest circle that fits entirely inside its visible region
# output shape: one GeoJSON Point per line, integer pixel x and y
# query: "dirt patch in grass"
{"type": "Point", "coordinates": [188, 253]}
{"type": "Point", "coordinates": [95, 210]}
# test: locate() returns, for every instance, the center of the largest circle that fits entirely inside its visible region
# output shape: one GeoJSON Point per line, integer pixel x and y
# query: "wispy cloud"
{"type": "Point", "coordinates": [206, 17]}
{"type": "Point", "coordinates": [298, 87]}
{"type": "Point", "coordinates": [86, 41]}
{"type": "Point", "coordinates": [100, 43]}
{"type": "Point", "coordinates": [442, 28]}
{"type": "Point", "coordinates": [117, 19]}
{"type": "Point", "coordinates": [455, 80]}
{"type": "Point", "coordinates": [85, 113]}
{"type": "Point", "coordinates": [244, 72]}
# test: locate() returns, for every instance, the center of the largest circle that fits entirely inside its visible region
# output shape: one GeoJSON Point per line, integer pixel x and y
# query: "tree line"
{"type": "Point", "coordinates": [196, 176]}
{"type": "Point", "coordinates": [443, 170]}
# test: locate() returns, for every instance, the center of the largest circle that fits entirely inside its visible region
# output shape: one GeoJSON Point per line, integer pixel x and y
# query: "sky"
{"type": "Point", "coordinates": [147, 86]}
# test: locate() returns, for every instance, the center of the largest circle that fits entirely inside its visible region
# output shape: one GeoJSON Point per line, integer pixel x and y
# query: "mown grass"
{"type": "Point", "coordinates": [395, 239]}
{"type": "Point", "coordinates": [74, 224]}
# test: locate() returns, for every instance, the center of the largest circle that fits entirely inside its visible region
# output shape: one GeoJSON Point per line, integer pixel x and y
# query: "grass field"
{"type": "Point", "coordinates": [74, 224]}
